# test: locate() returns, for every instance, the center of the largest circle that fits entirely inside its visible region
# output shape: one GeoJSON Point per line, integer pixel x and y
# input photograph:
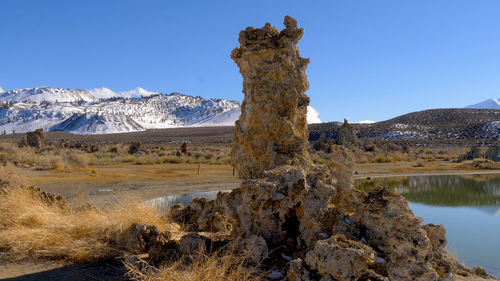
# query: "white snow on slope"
{"type": "Point", "coordinates": [41, 94]}
{"type": "Point", "coordinates": [228, 118]}
{"type": "Point", "coordinates": [1, 90]}
{"type": "Point", "coordinates": [487, 104]}
{"type": "Point", "coordinates": [98, 124]}
{"type": "Point", "coordinates": [366, 122]}
{"type": "Point", "coordinates": [225, 119]}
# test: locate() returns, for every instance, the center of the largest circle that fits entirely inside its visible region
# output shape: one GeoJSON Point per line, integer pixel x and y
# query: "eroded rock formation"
{"type": "Point", "coordinates": [288, 207]}
{"type": "Point", "coordinates": [347, 134]}
{"type": "Point", "coordinates": [272, 129]}
{"type": "Point", "coordinates": [34, 139]}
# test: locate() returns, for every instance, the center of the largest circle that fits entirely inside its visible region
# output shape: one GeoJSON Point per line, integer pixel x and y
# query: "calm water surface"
{"type": "Point", "coordinates": [468, 206]}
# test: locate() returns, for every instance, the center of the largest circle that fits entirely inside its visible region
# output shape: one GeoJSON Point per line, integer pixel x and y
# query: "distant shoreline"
{"type": "Point", "coordinates": [436, 173]}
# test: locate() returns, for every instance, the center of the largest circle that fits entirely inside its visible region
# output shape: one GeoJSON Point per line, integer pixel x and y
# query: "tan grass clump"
{"type": "Point", "coordinates": [32, 228]}
{"type": "Point", "coordinates": [8, 174]}
{"type": "Point", "coordinates": [49, 162]}
{"type": "Point", "coordinates": [202, 267]}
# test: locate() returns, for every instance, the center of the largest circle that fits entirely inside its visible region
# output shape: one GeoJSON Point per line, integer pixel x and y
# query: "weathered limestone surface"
{"type": "Point", "coordinates": [308, 213]}
{"type": "Point", "coordinates": [139, 237]}
{"type": "Point", "coordinates": [272, 128]}
{"type": "Point", "coordinates": [342, 259]}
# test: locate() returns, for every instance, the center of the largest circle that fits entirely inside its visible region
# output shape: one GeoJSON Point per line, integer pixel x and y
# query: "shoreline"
{"type": "Point", "coordinates": [39, 270]}
{"type": "Point", "coordinates": [422, 174]}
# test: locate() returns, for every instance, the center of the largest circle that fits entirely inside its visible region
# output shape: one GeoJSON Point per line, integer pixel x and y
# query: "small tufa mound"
{"type": "Point", "coordinates": [183, 149]}
{"type": "Point", "coordinates": [472, 154]}
{"type": "Point", "coordinates": [34, 139]}
{"type": "Point", "coordinates": [135, 147]}
{"type": "Point", "coordinates": [493, 152]}
{"type": "Point", "coordinates": [347, 134]}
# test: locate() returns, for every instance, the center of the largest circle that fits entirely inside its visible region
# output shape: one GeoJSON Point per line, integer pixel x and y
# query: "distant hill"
{"type": "Point", "coordinates": [487, 104]}
{"type": "Point", "coordinates": [445, 125]}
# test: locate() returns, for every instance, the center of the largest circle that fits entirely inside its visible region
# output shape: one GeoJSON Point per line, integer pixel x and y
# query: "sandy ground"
{"type": "Point", "coordinates": [100, 185]}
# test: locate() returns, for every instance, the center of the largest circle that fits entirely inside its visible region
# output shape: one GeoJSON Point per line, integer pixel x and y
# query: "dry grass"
{"type": "Point", "coordinates": [50, 158]}
{"type": "Point", "coordinates": [31, 228]}
{"type": "Point", "coordinates": [53, 157]}
{"type": "Point", "coordinates": [478, 163]}
{"type": "Point", "coordinates": [203, 267]}
{"type": "Point", "coordinates": [8, 174]}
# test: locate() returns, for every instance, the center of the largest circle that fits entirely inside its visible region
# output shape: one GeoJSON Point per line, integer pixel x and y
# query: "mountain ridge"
{"type": "Point", "coordinates": [80, 112]}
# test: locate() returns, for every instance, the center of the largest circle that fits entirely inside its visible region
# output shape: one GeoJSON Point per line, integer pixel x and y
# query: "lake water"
{"type": "Point", "coordinates": [468, 206]}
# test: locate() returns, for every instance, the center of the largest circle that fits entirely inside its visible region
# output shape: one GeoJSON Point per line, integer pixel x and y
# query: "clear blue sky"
{"type": "Point", "coordinates": [370, 59]}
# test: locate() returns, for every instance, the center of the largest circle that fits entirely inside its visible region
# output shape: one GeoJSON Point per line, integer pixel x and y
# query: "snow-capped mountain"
{"type": "Point", "coordinates": [48, 94]}
{"type": "Point", "coordinates": [78, 111]}
{"type": "Point", "coordinates": [487, 104]}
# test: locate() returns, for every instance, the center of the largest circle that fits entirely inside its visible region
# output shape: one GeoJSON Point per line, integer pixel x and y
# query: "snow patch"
{"type": "Point", "coordinates": [367, 122]}
{"type": "Point", "coordinates": [1, 90]}
{"type": "Point", "coordinates": [225, 119]}
{"type": "Point", "coordinates": [98, 124]}
{"type": "Point", "coordinates": [400, 135]}
{"type": "Point", "coordinates": [491, 128]}
{"type": "Point", "coordinates": [47, 94]}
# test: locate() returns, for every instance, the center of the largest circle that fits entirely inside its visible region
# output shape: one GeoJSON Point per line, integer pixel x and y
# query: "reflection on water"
{"type": "Point", "coordinates": [468, 206]}
{"type": "Point", "coordinates": [163, 203]}
{"type": "Point", "coordinates": [443, 190]}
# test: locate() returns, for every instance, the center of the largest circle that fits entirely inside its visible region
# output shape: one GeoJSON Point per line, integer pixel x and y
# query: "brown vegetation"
{"type": "Point", "coordinates": [32, 227]}
{"type": "Point", "coordinates": [221, 265]}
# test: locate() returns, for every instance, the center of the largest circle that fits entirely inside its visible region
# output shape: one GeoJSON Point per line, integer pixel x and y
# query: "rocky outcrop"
{"type": "Point", "coordinates": [347, 134]}
{"type": "Point", "coordinates": [493, 152]}
{"type": "Point", "coordinates": [272, 128]}
{"type": "Point", "coordinates": [472, 154]}
{"type": "Point", "coordinates": [34, 139]}
{"type": "Point", "coordinates": [288, 207]}
{"type": "Point", "coordinates": [140, 238]}
{"type": "Point", "coordinates": [135, 147]}
{"type": "Point", "coordinates": [339, 258]}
